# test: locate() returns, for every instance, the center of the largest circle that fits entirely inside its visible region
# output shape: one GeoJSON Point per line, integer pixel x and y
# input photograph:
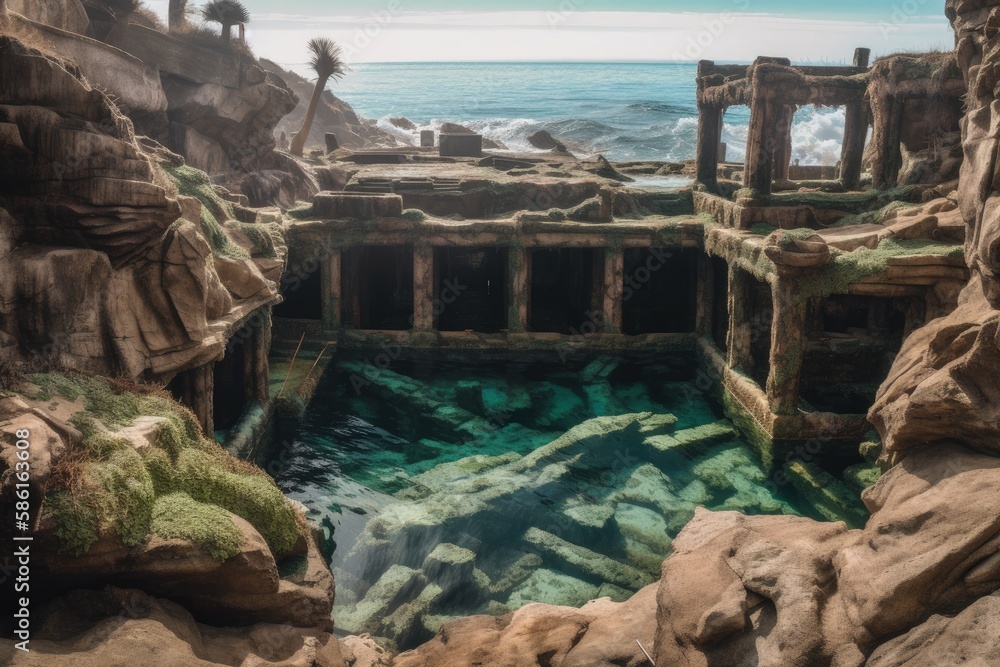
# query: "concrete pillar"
{"type": "Point", "coordinates": [861, 56]}
{"type": "Point", "coordinates": [709, 140]}
{"type": "Point", "coordinates": [195, 389]}
{"type": "Point", "coordinates": [614, 284]}
{"type": "Point", "coordinates": [783, 142]}
{"type": "Point", "coordinates": [741, 316]}
{"type": "Point", "coordinates": [765, 115]}
{"type": "Point", "coordinates": [256, 365]}
{"type": "Point", "coordinates": [423, 288]}
{"type": "Point", "coordinates": [705, 292]}
{"type": "Point", "coordinates": [788, 338]}
{"type": "Point", "coordinates": [888, 160]}
{"type": "Point", "coordinates": [332, 289]}
{"type": "Point", "coordinates": [853, 152]}
{"type": "Point", "coordinates": [519, 288]}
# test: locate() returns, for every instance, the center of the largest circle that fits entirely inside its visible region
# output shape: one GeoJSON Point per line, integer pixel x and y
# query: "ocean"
{"type": "Point", "coordinates": [624, 111]}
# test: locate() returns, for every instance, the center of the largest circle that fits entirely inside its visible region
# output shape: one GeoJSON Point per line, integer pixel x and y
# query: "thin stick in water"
{"type": "Point", "coordinates": [289, 373]}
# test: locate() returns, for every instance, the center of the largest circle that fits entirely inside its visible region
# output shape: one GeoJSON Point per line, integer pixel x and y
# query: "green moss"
{"type": "Point", "coordinates": [77, 522]}
{"type": "Point", "coordinates": [852, 202]}
{"type": "Point", "coordinates": [252, 497]}
{"type": "Point", "coordinates": [847, 268]}
{"type": "Point", "coordinates": [862, 476]}
{"type": "Point", "coordinates": [265, 237]}
{"type": "Point", "coordinates": [178, 516]}
{"type": "Point", "coordinates": [303, 212]}
{"type": "Point", "coordinates": [414, 215]}
{"type": "Point", "coordinates": [116, 493]}
{"type": "Point", "coordinates": [116, 487]}
{"type": "Point", "coordinates": [876, 217]}
{"type": "Point", "coordinates": [195, 183]}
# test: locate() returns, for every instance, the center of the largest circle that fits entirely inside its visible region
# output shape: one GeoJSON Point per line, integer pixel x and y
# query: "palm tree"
{"type": "Point", "coordinates": [327, 63]}
{"type": "Point", "coordinates": [226, 12]}
{"type": "Point", "coordinates": [177, 14]}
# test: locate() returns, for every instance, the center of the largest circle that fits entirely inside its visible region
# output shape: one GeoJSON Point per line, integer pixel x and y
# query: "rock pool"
{"type": "Point", "coordinates": [448, 490]}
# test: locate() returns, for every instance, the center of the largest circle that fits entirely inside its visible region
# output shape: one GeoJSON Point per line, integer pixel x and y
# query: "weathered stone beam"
{"type": "Point", "coordinates": [709, 137]}
{"type": "Point", "coordinates": [614, 283]}
{"type": "Point", "coordinates": [852, 153]}
{"type": "Point", "coordinates": [423, 288]}
{"type": "Point", "coordinates": [787, 341]}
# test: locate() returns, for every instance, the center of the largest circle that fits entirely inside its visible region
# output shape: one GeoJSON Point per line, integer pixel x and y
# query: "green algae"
{"type": "Point", "coordinates": [192, 182]}
{"type": "Point", "coordinates": [114, 486]}
{"type": "Point", "coordinates": [178, 516]}
{"type": "Point", "coordinates": [847, 268]}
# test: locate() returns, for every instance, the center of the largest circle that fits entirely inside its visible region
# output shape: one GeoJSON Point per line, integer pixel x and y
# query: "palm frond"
{"type": "Point", "coordinates": [226, 12]}
{"type": "Point", "coordinates": [327, 58]}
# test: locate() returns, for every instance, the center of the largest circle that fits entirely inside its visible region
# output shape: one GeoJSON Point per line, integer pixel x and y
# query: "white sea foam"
{"type": "Point", "coordinates": [817, 136]}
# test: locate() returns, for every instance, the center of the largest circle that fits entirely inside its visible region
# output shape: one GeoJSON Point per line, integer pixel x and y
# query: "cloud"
{"type": "Point", "coordinates": [394, 35]}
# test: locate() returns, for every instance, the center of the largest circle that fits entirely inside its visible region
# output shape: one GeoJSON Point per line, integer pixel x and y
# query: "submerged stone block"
{"type": "Point", "coordinates": [397, 586]}
{"type": "Point", "coordinates": [582, 559]}
{"type": "Point", "coordinates": [827, 495]}
{"type": "Point", "coordinates": [551, 587]}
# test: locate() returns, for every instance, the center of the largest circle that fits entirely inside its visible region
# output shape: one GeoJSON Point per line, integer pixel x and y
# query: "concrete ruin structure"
{"type": "Point", "coordinates": [794, 299]}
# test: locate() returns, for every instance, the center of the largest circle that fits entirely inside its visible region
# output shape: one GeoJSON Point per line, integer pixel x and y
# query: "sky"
{"type": "Point", "coordinates": [593, 30]}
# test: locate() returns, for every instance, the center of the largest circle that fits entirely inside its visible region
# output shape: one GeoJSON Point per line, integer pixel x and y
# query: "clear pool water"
{"type": "Point", "coordinates": [446, 490]}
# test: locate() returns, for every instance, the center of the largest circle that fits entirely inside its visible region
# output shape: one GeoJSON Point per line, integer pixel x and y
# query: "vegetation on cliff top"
{"type": "Point", "coordinates": [192, 182]}
{"type": "Point", "coordinates": [181, 486]}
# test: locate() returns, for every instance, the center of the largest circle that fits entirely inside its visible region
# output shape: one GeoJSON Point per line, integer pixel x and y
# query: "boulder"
{"type": "Point", "coordinates": [242, 278]}
{"type": "Point", "coordinates": [600, 634]}
{"type": "Point", "coordinates": [546, 142]}
{"type": "Point", "coordinates": [113, 626]}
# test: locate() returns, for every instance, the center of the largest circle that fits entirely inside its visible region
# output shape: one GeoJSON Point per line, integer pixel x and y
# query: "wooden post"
{"type": "Point", "coordinates": [423, 288]}
{"type": "Point", "coordinates": [788, 337]}
{"type": "Point", "coordinates": [614, 284]}
{"type": "Point", "coordinates": [519, 288]}
{"type": "Point", "coordinates": [853, 152]}
{"type": "Point", "coordinates": [332, 290]}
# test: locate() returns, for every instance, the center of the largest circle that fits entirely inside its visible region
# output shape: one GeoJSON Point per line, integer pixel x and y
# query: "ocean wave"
{"type": "Point", "coordinates": [817, 136]}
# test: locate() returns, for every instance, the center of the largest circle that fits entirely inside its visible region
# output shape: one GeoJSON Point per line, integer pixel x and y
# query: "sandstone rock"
{"type": "Point", "coordinates": [972, 637]}
{"type": "Point", "coordinates": [242, 278]}
{"type": "Point", "coordinates": [114, 626]}
{"type": "Point", "coordinates": [364, 652]}
{"type": "Point", "coordinates": [81, 173]}
{"type": "Point", "coordinates": [600, 634]}
{"type": "Point", "coordinates": [66, 15]}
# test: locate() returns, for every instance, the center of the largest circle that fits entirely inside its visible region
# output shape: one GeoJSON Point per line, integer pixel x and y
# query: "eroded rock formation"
{"type": "Point", "coordinates": [102, 270]}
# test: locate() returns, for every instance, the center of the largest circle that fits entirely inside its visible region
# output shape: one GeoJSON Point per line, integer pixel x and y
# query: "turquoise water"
{"type": "Point", "coordinates": [447, 490]}
{"type": "Point", "coordinates": [626, 111]}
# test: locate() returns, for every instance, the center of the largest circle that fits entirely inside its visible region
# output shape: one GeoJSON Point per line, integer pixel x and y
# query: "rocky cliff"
{"type": "Point", "coordinates": [82, 197]}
